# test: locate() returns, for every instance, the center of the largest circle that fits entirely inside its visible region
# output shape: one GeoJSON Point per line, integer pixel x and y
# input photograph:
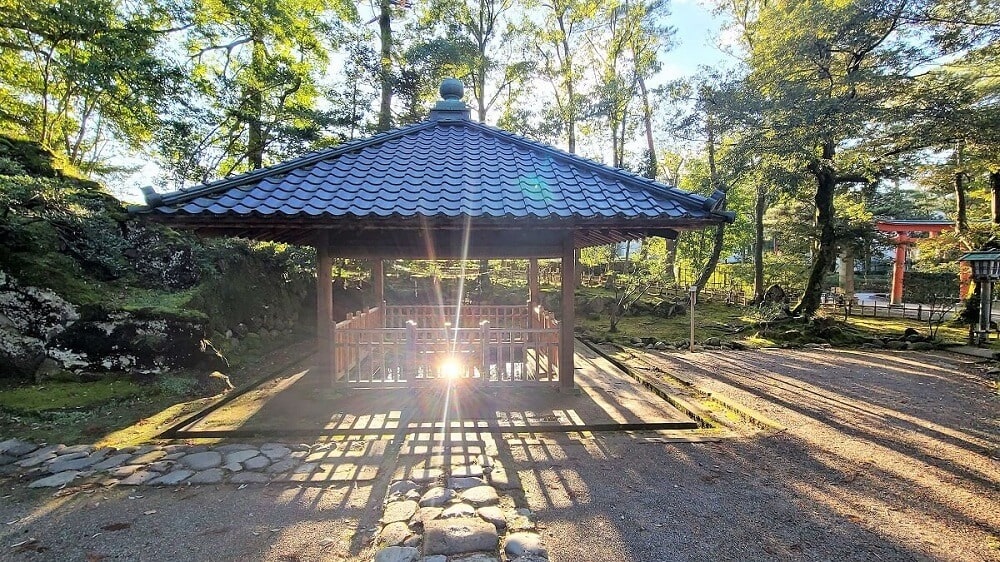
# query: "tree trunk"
{"type": "Point", "coordinates": [760, 206]}
{"type": "Point", "coordinates": [719, 236]}
{"type": "Point", "coordinates": [647, 121]}
{"type": "Point", "coordinates": [961, 219]}
{"type": "Point", "coordinates": [995, 195]}
{"type": "Point", "coordinates": [484, 275]}
{"type": "Point", "coordinates": [847, 273]}
{"type": "Point", "coordinates": [826, 183]}
{"type": "Point", "coordinates": [385, 62]}
{"type": "Point", "coordinates": [670, 262]}
{"type": "Point", "coordinates": [255, 107]}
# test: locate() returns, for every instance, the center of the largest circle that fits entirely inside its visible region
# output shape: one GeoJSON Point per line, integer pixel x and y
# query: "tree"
{"type": "Point", "coordinates": [827, 73]}
{"type": "Point", "coordinates": [559, 39]}
{"type": "Point", "coordinates": [255, 71]}
{"type": "Point", "coordinates": [74, 75]}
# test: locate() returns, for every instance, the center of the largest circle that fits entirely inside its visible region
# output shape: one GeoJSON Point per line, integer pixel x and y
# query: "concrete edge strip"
{"type": "Point", "coordinates": [695, 412]}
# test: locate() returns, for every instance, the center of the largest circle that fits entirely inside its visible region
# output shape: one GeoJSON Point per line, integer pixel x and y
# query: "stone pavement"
{"type": "Point", "coordinates": [450, 499]}
{"type": "Point", "coordinates": [453, 499]}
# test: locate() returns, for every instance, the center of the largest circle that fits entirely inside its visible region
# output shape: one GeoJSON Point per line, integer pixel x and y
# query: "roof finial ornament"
{"type": "Point", "coordinates": [452, 89]}
{"type": "Point", "coordinates": [451, 107]}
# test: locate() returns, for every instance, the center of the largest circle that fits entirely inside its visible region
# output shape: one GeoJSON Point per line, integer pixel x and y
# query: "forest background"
{"type": "Point", "coordinates": [826, 114]}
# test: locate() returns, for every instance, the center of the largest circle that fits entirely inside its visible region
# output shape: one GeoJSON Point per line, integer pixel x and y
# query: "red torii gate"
{"type": "Point", "coordinates": [903, 231]}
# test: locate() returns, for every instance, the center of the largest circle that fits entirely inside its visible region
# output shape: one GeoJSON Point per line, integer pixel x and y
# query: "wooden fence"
{"type": "Point", "coordinates": [413, 345]}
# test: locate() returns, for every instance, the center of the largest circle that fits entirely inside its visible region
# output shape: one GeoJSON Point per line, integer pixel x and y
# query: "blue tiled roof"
{"type": "Point", "coordinates": [438, 168]}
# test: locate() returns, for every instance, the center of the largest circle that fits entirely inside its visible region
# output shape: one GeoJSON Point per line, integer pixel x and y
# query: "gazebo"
{"type": "Point", "coordinates": [445, 188]}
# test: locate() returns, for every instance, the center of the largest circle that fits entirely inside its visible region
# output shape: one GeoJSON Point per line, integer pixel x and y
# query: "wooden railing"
{"type": "Point", "coordinates": [382, 347]}
{"type": "Point", "coordinates": [468, 316]}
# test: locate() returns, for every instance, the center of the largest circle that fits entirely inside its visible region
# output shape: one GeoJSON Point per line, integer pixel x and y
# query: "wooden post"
{"type": "Point", "coordinates": [566, 365]}
{"type": "Point", "coordinates": [534, 298]}
{"type": "Point", "coordinates": [484, 337]}
{"type": "Point", "coordinates": [324, 308]}
{"type": "Point", "coordinates": [378, 282]}
{"type": "Point", "coordinates": [898, 271]}
{"type": "Point", "coordinates": [410, 363]}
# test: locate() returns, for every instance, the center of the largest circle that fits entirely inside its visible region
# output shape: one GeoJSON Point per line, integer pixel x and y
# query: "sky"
{"type": "Point", "coordinates": [696, 39]}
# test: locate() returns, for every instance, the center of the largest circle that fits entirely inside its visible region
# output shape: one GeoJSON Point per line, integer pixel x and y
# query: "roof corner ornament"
{"type": "Point", "coordinates": [451, 107]}
{"type": "Point", "coordinates": [153, 199]}
{"type": "Point", "coordinates": [714, 204]}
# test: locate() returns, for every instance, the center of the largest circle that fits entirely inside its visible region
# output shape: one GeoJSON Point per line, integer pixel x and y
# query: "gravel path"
{"type": "Point", "coordinates": [886, 456]}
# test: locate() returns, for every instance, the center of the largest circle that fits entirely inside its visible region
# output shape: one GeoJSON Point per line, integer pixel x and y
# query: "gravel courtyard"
{"type": "Point", "coordinates": [883, 456]}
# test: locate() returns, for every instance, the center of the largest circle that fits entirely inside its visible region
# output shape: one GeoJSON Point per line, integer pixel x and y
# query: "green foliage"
{"type": "Point", "coordinates": [74, 74]}
{"type": "Point", "coordinates": [928, 287]}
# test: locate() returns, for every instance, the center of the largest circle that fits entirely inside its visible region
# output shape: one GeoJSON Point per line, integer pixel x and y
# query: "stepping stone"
{"type": "Point", "coordinates": [458, 510]}
{"type": "Point", "coordinates": [233, 447]}
{"type": "Point", "coordinates": [85, 449]}
{"type": "Point", "coordinates": [436, 497]}
{"type": "Point", "coordinates": [494, 515]}
{"type": "Point", "coordinates": [459, 535]}
{"type": "Point", "coordinates": [394, 534]}
{"type": "Point", "coordinates": [501, 480]}
{"type": "Point", "coordinates": [36, 460]}
{"type": "Point", "coordinates": [282, 466]}
{"type": "Point", "coordinates": [202, 461]}
{"type": "Point", "coordinates": [172, 478]}
{"type": "Point", "coordinates": [401, 487]}
{"type": "Point", "coordinates": [176, 448]}
{"type": "Point", "coordinates": [481, 495]}
{"type": "Point", "coordinates": [124, 471]}
{"type": "Point", "coordinates": [256, 463]}
{"type": "Point", "coordinates": [240, 456]}
{"type": "Point", "coordinates": [6, 459]}
{"type": "Point", "coordinates": [476, 557]}
{"type": "Point", "coordinates": [521, 544]}
{"type": "Point", "coordinates": [140, 477]}
{"type": "Point", "coordinates": [174, 456]}
{"type": "Point", "coordinates": [399, 511]}
{"type": "Point", "coordinates": [248, 478]}
{"type": "Point", "coordinates": [305, 468]}
{"type": "Point", "coordinates": [112, 461]}
{"type": "Point", "coordinates": [435, 558]}
{"type": "Point", "coordinates": [275, 453]}
{"type": "Point", "coordinates": [232, 466]}
{"type": "Point", "coordinates": [210, 476]}
{"type": "Point", "coordinates": [530, 558]}
{"type": "Point", "coordinates": [17, 448]}
{"type": "Point", "coordinates": [397, 554]}
{"type": "Point", "coordinates": [56, 480]}
{"type": "Point", "coordinates": [64, 456]}
{"type": "Point", "coordinates": [161, 466]}
{"type": "Point", "coordinates": [465, 482]}
{"type": "Point", "coordinates": [60, 465]}
{"type": "Point", "coordinates": [147, 457]}
{"type": "Point", "coordinates": [425, 514]}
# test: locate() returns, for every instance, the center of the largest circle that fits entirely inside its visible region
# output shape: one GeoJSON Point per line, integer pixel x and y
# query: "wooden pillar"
{"type": "Point", "coordinates": [324, 307]}
{"type": "Point", "coordinates": [534, 298]}
{"type": "Point", "coordinates": [898, 269]}
{"type": "Point", "coordinates": [566, 366]}
{"type": "Point", "coordinates": [378, 282]}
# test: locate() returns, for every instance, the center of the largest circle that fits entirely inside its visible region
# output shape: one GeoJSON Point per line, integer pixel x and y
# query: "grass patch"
{"type": "Point", "coordinates": [894, 327]}
{"type": "Point", "coordinates": [711, 319]}
{"type": "Point", "coordinates": [66, 395]}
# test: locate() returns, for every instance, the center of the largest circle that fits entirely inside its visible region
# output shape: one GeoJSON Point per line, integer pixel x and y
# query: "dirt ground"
{"type": "Point", "coordinates": [884, 456]}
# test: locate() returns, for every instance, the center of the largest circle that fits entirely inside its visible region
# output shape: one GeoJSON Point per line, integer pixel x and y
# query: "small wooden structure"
{"type": "Point", "coordinates": [445, 188]}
